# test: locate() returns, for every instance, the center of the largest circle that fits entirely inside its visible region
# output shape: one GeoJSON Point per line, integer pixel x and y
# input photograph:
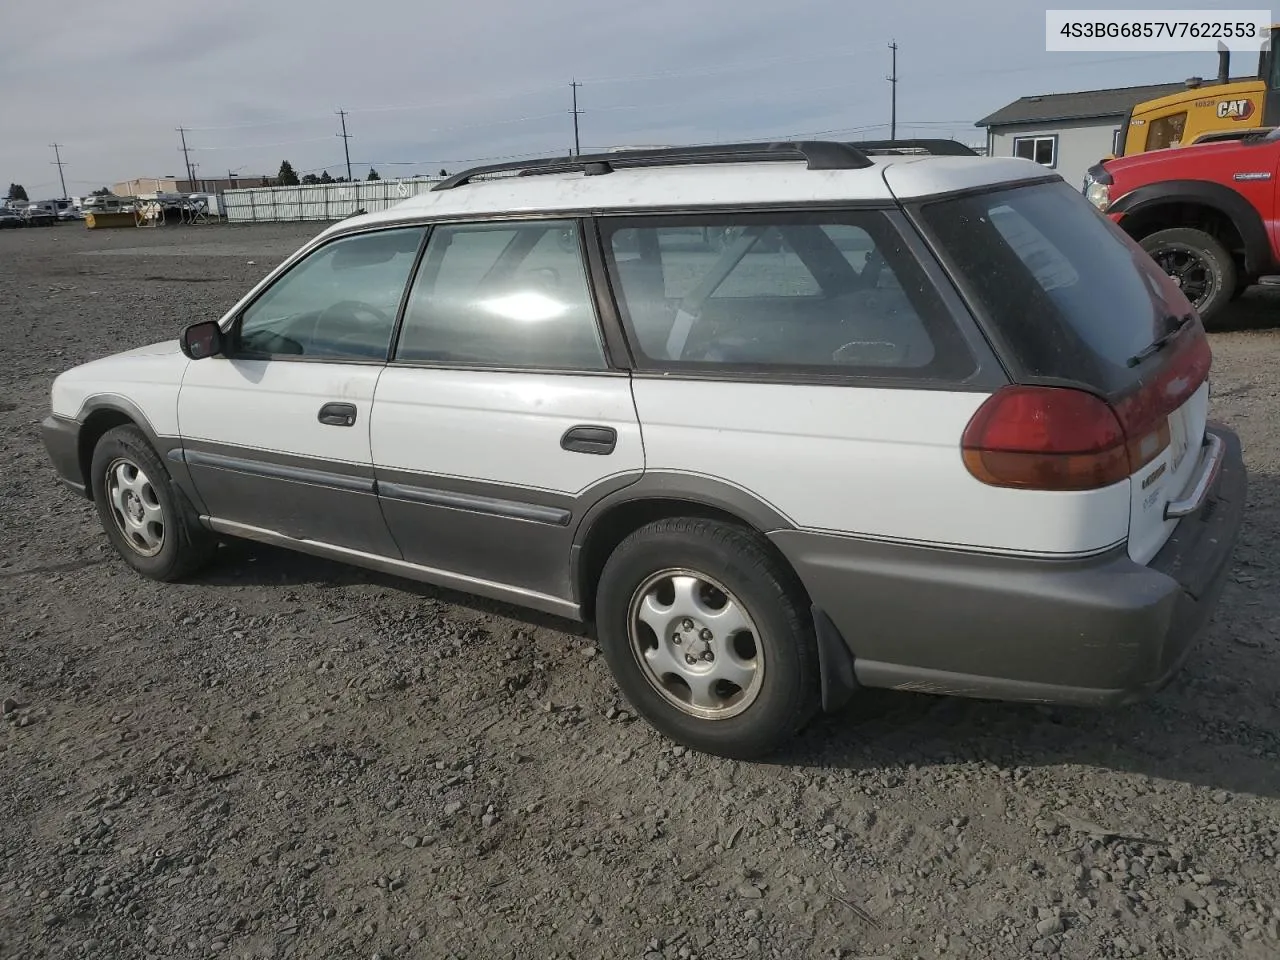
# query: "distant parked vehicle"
{"type": "Point", "coordinates": [9, 217]}
{"type": "Point", "coordinates": [106, 203]}
{"type": "Point", "coordinates": [43, 212]}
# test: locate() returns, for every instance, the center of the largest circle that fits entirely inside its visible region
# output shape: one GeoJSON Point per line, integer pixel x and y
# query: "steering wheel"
{"type": "Point", "coordinates": [338, 318]}
{"type": "Point", "coordinates": [351, 310]}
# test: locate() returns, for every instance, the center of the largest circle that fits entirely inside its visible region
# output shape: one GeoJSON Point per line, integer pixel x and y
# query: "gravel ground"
{"type": "Point", "coordinates": [291, 758]}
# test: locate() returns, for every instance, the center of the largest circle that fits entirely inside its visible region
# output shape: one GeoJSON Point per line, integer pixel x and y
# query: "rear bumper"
{"type": "Point", "coordinates": [1097, 631]}
{"type": "Point", "coordinates": [62, 442]}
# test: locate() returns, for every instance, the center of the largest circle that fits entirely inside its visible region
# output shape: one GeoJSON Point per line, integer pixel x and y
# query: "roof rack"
{"type": "Point", "coordinates": [941, 148]}
{"type": "Point", "coordinates": [817, 154]}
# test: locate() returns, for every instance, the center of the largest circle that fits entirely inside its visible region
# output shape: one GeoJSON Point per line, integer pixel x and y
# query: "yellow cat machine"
{"type": "Point", "coordinates": [1210, 110]}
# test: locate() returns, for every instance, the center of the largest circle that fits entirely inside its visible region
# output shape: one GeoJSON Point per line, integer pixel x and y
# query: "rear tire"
{"type": "Point", "coordinates": [145, 515]}
{"type": "Point", "coordinates": [709, 637]}
{"type": "Point", "coordinates": [1198, 263]}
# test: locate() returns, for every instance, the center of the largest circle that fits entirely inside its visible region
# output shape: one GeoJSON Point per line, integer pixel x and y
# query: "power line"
{"type": "Point", "coordinates": [57, 159]}
{"type": "Point", "coordinates": [577, 146]}
{"type": "Point", "coordinates": [346, 137]}
{"type": "Point", "coordinates": [732, 67]}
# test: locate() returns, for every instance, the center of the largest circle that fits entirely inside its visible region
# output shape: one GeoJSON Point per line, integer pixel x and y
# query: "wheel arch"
{"type": "Point", "coordinates": [97, 416]}
{"type": "Point", "coordinates": [662, 496]}
{"type": "Point", "coordinates": [657, 496]}
{"type": "Point", "coordinates": [1201, 204]}
{"type": "Point", "coordinates": [104, 412]}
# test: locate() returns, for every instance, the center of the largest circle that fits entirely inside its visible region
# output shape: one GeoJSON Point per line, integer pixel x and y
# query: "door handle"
{"type": "Point", "coordinates": [588, 439]}
{"type": "Point", "coordinates": [338, 414]}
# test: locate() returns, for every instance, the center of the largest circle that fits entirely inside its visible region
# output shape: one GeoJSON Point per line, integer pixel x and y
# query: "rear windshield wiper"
{"type": "Point", "coordinates": [1161, 341]}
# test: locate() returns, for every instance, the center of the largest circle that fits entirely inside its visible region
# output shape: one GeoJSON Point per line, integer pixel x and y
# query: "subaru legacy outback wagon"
{"type": "Point", "coordinates": [776, 421]}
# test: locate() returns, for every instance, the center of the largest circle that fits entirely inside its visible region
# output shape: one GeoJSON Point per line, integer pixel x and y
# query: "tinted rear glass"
{"type": "Point", "coordinates": [1069, 293]}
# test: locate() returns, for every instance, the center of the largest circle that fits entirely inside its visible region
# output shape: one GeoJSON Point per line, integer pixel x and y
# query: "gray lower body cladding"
{"type": "Point", "coordinates": [62, 442]}
{"type": "Point", "coordinates": [1097, 631]}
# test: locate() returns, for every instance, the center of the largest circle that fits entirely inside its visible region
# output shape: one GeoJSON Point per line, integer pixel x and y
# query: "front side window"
{"type": "Point", "coordinates": [338, 303]}
{"type": "Point", "coordinates": [828, 293]}
{"type": "Point", "coordinates": [1166, 131]}
{"type": "Point", "coordinates": [508, 294]}
{"type": "Point", "coordinates": [1043, 150]}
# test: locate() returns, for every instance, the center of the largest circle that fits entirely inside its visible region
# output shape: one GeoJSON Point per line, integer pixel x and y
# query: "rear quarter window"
{"type": "Point", "coordinates": [833, 294]}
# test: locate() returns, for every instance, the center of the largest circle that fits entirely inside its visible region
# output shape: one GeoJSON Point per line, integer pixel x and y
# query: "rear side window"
{"type": "Point", "coordinates": [834, 293]}
{"type": "Point", "coordinates": [1070, 294]}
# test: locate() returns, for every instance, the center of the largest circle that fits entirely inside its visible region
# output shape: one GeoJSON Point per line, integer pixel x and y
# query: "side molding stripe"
{"type": "Point", "coordinates": [279, 471]}
{"type": "Point", "coordinates": [511, 509]}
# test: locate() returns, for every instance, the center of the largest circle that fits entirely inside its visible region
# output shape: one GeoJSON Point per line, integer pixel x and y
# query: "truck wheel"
{"type": "Point", "coordinates": [709, 637]}
{"type": "Point", "coordinates": [1198, 263]}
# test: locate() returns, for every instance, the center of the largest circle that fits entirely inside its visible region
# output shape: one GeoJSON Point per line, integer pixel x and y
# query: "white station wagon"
{"type": "Point", "coordinates": [777, 421]}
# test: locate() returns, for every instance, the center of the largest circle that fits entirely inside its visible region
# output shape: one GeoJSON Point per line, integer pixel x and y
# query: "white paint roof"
{"type": "Point", "coordinates": [732, 184]}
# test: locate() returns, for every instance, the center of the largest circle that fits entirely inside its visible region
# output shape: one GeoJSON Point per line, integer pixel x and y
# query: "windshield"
{"type": "Point", "coordinates": [1069, 293]}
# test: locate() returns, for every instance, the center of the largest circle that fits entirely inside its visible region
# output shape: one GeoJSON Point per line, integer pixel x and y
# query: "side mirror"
{"type": "Point", "coordinates": [201, 340]}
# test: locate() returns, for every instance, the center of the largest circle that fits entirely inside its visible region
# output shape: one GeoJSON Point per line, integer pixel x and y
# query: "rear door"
{"type": "Point", "coordinates": [499, 421]}
{"type": "Point", "coordinates": [1072, 300]}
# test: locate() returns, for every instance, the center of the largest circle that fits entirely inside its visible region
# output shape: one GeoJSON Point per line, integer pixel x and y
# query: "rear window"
{"type": "Point", "coordinates": [1069, 293]}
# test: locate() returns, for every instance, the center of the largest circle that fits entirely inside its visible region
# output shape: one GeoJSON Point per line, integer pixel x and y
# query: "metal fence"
{"type": "Point", "coordinates": [319, 201]}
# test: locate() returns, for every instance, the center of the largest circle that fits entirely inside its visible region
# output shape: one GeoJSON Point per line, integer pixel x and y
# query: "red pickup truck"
{"type": "Point", "coordinates": [1207, 213]}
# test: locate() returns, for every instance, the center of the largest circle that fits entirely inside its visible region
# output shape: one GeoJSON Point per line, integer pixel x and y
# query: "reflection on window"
{"type": "Point", "coordinates": [510, 295]}
{"type": "Point", "coordinates": [339, 302]}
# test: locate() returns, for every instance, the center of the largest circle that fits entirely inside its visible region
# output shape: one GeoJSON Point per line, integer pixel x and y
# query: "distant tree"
{"type": "Point", "coordinates": [373, 175]}
{"type": "Point", "coordinates": [286, 177]}
{"type": "Point", "coordinates": [100, 192]}
{"type": "Point", "coordinates": [325, 178]}
{"type": "Point", "coordinates": [17, 192]}
{"type": "Point", "coordinates": [310, 178]}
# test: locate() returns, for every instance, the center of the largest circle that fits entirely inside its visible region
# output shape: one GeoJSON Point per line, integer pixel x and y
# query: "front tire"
{"type": "Point", "coordinates": [146, 517]}
{"type": "Point", "coordinates": [1198, 263]}
{"type": "Point", "coordinates": [708, 636]}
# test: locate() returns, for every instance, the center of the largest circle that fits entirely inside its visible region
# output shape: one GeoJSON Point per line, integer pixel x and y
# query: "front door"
{"type": "Point", "coordinates": [499, 422]}
{"type": "Point", "coordinates": [276, 433]}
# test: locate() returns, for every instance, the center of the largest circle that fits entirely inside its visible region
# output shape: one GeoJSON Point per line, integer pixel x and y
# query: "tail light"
{"type": "Point", "coordinates": [1058, 438]}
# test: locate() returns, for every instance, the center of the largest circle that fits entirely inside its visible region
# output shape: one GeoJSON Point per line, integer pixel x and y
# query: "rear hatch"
{"type": "Point", "coordinates": [1069, 300]}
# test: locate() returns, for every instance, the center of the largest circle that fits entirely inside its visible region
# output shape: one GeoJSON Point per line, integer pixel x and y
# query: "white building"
{"type": "Point", "coordinates": [1067, 132]}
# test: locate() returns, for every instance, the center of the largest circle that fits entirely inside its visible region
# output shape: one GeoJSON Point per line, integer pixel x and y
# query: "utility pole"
{"type": "Point", "coordinates": [57, 159]}
{"type": "Point", "coordinates": [577, 146]}
{"type": "Point", "coordinates": [345, 137]}
{"type": "Point", "coordinates": [893, 96]}
{"type": "Point", "coordinates": [186, 156]}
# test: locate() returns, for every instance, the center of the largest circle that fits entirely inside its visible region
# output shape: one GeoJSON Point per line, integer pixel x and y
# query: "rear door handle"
{"type": "Point", "coordinates": [338, 414]}
{"type": "Point", "coordinates": [589, 439]}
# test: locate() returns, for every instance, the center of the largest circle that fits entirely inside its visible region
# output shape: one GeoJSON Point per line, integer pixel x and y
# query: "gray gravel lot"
{"type": "Point", "coordinates": [291, 758]}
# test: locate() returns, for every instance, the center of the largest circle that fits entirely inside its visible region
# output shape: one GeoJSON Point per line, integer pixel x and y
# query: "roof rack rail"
{"type": "Point", "coordinates": [817, 154]}
{"type": "Point", "coordinates": [941, 148]}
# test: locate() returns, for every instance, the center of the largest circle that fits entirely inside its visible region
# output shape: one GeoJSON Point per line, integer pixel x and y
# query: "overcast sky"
{"type": "Point", "coordinates": [430, 85]}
